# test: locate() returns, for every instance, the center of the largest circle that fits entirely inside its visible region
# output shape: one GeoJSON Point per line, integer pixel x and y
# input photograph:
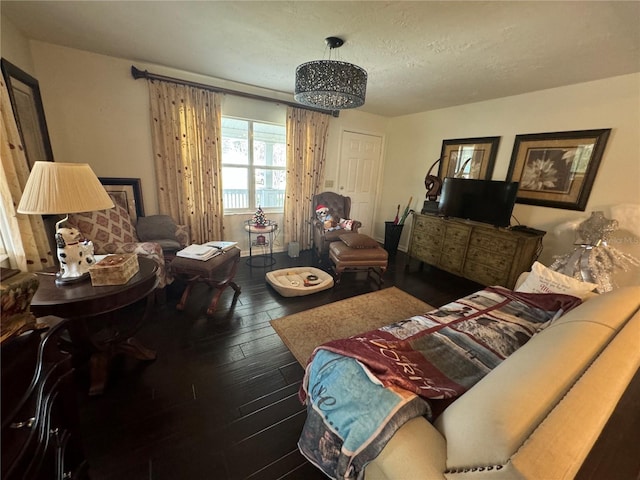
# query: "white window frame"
{"type": "Point", "coordinates": [251, 168]}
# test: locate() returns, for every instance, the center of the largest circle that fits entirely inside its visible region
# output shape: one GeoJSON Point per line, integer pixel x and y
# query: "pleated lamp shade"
{"type": "Point", "coordinates": [55, 188]}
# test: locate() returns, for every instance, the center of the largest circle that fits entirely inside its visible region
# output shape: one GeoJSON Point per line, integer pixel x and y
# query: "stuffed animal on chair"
{"type": "Point", "coordinates": [322, 213]}
{"type": "Point", "coordinates": [75, 255]}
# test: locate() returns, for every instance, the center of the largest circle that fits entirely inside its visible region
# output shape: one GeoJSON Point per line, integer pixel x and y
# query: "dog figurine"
{"type": "Point", "coordinates": [74, 254]}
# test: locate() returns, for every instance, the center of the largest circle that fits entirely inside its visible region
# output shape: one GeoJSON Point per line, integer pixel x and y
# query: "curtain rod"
{"type": "Point", "coordinates": [137, 73]}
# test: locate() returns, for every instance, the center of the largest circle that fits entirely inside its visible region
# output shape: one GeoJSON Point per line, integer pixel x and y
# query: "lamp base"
{"type": "Point", "coordinates": [61, 281]}
{"type": "Point", "coordinates": [74, 254]}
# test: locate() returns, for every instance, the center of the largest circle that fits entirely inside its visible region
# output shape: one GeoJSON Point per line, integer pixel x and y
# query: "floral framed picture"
{"type": "Point", "coordinates": [557, 169]}
{"type": "Point", "coordinates": [468, 157]}
{"type": "Point", "coordinates": [126, 192]}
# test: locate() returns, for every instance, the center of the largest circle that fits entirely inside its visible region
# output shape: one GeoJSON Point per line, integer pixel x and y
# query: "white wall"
{"type": "Point", "coordinates": [414, 143]}
{"type": "Point", "coordinates": [97, 113]}
{"type": "Point", "coordinates": [14, 47]}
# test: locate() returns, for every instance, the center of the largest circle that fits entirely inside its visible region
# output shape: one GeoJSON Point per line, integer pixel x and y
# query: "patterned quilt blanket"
{"type": "Point", "coordinates": [361, 389]}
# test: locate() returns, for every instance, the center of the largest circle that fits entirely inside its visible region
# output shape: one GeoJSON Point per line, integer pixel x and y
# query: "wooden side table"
{"type": "Point", "coordinates": [80, 302]}
{"type": "Point", "coordinates": [217, 272]}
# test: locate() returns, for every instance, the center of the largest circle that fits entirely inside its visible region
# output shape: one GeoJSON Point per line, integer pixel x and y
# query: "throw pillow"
{"type": "Point", "coordinates": [544, 280]}
{"type": "Point", "coordinates": [358, 240]}
{"type": "Point", "coordinates": [346, 224]}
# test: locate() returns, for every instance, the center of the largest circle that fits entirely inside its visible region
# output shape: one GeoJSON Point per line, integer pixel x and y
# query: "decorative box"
{"type": "Point", "coordinates": [114, 270]}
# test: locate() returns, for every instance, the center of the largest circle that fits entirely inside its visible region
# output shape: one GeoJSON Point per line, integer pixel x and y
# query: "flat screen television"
{"type": "Point", "coordinates": [487, 201]}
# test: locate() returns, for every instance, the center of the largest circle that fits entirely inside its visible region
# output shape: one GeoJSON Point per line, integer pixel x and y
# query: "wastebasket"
{"type": "Point", "coordinates": [294, 249]}
{"type": "Point", "coordinates": [392, 234]}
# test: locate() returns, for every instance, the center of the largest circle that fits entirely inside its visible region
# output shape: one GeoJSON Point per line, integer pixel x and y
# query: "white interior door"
{"type": "Point", "coordinates": [360, 158]}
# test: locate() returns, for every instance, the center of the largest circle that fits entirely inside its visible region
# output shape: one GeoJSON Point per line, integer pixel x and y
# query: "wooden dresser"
{"type": "Point", "coordinates": [39, 415]}
{"type": "Point", "coordinates": [478, 251]}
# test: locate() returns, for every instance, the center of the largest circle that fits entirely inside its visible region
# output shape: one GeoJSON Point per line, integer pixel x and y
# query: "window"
{"type": "Point", "coordinates": [253, 165]}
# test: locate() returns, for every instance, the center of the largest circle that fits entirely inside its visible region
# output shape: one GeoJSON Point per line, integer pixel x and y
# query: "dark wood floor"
{"type": "Point", "coordinates": [220, 401]}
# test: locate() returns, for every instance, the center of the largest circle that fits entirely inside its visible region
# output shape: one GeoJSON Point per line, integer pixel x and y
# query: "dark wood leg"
{"type": "Point", "coordinates": [185, 295]}
{"type": "Point", "coordinates": [220, 288]}
{"type": "Point", "coordinates": [236, 288]}
{"type": "Point", "coordinates": [214, 300]}
{"type": "Point", "coordinates": [110, 342]}
{"type": "Point", "coordinates": [133, 348]}
{"type": "Point", "coordinates": [99, 370]}
{"type": "Point", "coordinates": [377, 275]}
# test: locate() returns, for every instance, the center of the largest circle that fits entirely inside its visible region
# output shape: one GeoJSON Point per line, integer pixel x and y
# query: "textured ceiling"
{"type": "Point", "coordinates": [419, 55]}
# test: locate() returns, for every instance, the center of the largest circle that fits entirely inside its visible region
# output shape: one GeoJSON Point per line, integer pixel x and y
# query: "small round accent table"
{"type": "Point", "coordinates": [261, 236]}
{"type": "Point", "coordinates": [80, 302]}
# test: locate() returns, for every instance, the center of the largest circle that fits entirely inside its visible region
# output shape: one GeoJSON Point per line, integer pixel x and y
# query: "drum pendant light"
{"type": "Point", "coordinates": [330, 84]}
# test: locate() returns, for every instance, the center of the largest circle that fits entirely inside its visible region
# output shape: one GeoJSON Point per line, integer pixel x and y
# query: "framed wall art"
{"type": "Point", "coordinates": [126, 192]}
{"type": "Point", "coordinates": [468, 157]}
{"type": "Point", "coordinates": [557, 169]}
{"type": "Point", "coordinates": [26, 103]}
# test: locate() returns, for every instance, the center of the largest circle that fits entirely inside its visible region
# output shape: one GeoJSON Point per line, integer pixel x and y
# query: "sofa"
{"type": "Point", "coordinates": [538, 413]}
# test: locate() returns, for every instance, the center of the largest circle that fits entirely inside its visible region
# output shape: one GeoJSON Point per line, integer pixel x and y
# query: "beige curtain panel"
{"type": "Point", "coordinates": [306, 141]}
{"type": "Point", "coordinates": [24, 236]}
{"type": "Point", "coordinates": [186, 131]}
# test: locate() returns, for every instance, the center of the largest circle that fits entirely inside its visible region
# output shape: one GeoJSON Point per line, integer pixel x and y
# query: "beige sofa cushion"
{"type": "Point", "coordinates": [561, 443]}
{"type": "Point", "coordinates": [491, 421]}
{"type": "Point", "coordinates": [417, 451]}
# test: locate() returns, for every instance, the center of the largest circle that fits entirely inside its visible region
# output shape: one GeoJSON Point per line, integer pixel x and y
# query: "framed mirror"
{"type": "Point", "coordinates": [26, 102]}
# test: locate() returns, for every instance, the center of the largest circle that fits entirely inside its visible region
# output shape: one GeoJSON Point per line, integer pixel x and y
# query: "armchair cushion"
{"type": "Point", "coordinates": [358, 240]}
{"type": "Point", "coordinates": [159, 229]}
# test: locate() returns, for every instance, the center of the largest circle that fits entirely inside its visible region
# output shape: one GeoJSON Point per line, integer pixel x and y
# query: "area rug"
{"type": "Point", "coordinates": [304, 331]}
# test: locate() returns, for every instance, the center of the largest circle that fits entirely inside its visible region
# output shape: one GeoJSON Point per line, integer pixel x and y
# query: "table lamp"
{"type": "Point", "coordinates": [59, 189]}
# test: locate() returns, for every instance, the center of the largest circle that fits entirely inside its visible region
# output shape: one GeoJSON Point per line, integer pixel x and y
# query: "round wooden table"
{"type": "Point", "coordinates": [80, 302]}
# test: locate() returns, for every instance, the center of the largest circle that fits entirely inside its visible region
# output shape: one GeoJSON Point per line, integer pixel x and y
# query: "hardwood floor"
{"type": "Point", "coordinates": [220, 401]}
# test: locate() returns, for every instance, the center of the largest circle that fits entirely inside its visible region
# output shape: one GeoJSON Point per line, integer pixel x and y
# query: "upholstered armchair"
{"type": "Point", "coordinates": [112, 231]}
{"type": "Point", "coordinates": [339, 208]}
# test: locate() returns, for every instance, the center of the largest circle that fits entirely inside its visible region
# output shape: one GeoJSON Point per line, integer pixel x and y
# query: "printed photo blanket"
{"type": "Point", "coordinates": [361, 389]}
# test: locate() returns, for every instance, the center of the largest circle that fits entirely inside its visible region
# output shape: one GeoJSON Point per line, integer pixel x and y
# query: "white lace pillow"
{"type": "Point", "coordinates": [544, 280]}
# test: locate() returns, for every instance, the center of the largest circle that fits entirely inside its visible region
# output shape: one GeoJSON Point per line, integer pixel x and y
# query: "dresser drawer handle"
{"type": "Point", "coordinates": [27, 424]}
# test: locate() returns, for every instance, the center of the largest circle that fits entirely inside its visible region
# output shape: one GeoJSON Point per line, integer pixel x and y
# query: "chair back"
{"type": "Point", "coordinates": [339, 205]}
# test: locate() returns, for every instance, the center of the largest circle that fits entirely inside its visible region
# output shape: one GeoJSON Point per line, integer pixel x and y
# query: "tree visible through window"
{"type": "Point", "coordinates": [253, 165]}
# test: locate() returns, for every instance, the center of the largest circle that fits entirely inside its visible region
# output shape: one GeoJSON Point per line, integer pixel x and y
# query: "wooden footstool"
{"type": "Point", "coordinates": [372, 258]}
{"type": "Point", "coordinates": [217, 272]}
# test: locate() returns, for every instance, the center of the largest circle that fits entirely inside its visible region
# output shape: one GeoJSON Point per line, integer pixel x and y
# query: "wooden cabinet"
{"type": "Point", "coordinates": [480, 252]}
{"type": "Point", "coordinates": [39, 415]}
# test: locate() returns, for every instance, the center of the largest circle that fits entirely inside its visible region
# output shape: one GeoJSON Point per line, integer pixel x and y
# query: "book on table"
{"type": "Point", "coordinates": [199, 252]}
{"type": "Point", "coordinates": [206, 251]}
{"type": "Point", "coordinates": [222, 246]}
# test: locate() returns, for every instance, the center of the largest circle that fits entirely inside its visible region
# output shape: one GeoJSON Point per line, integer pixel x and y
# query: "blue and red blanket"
{"type": "Point", "coordinates": [361, 389]}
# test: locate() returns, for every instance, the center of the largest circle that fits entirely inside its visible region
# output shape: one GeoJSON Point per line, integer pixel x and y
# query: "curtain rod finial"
{"type": "Point", "coordinates": [137, 73]}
